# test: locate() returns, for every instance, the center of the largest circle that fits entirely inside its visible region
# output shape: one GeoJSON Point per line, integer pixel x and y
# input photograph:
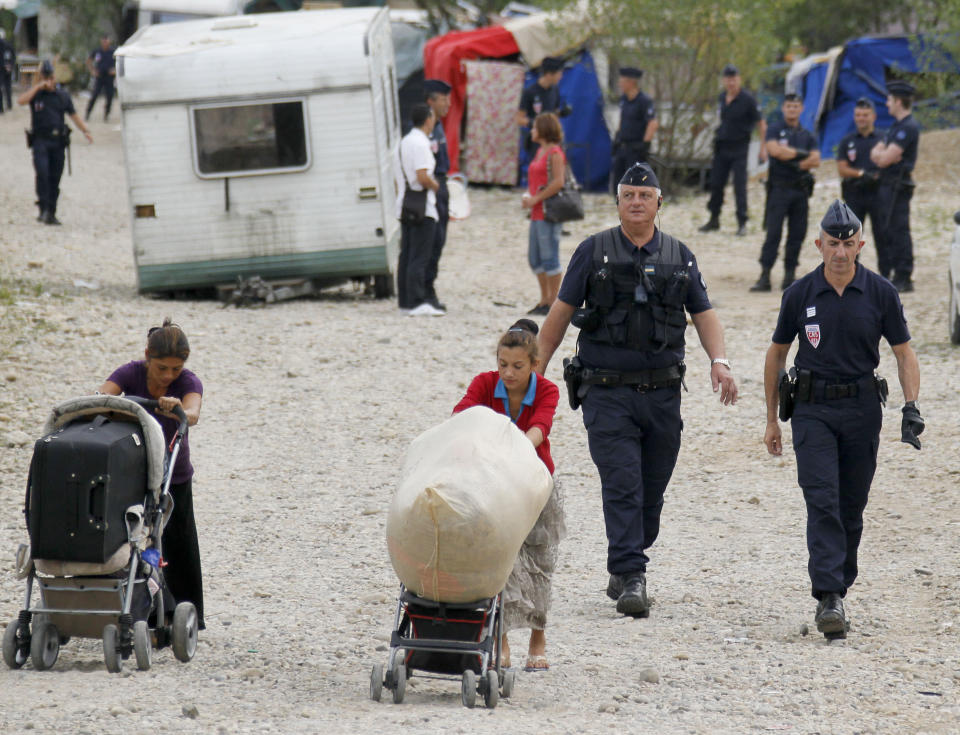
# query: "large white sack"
{"type": "Point", "coordinates": [471, 490]}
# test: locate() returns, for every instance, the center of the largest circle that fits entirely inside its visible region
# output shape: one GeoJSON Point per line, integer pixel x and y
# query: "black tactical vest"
{"type": "Point", "coordinates": [635, 305]}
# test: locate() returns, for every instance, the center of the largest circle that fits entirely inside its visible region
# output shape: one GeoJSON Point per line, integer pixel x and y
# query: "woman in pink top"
{"type": "Point", "coordinates": [544, 244]}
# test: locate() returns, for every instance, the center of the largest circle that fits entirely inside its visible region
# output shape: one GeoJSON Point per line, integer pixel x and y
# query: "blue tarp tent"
{"type": "Point", "coordinates": [585, 135]}
{"type": "Point", "coordinates": [831, 85]}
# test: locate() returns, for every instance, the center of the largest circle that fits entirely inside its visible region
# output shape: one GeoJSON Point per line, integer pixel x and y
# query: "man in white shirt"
{"type": "Point", "coordinates": [416, 240]}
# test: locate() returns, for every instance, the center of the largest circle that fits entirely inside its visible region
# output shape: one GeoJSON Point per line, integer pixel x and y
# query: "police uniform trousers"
{"type": "Point", "coordinates": [836, 446]}
{"type": "Point", "coordinates": [790, 204]}
{"type": "Point", "coordinates": [439, 234]}
{"type": "Point", "coordinates": [416, 249]}
{"type": "Point", "coordinates": [894, 241]}
{"type": "Point", "coordinates": [48, 160]}
{"type": "Point", "coordinates": [6, 83]}
{"type": "Point", "coordinates": [863, 201]}
{"type": "Point", "coordinates": [634, 440]}
{"type": "Point", "coordinates": [104, 84]}
{"type": "Point", "coordinates": [726, 158]}
{"type": "Point", "coordinates": [181, 551]}
{"type": "Point", "coordinates": [624, 157]}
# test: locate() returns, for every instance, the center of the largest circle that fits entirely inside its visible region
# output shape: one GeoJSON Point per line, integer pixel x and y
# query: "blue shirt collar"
{"type": "Point", "coordinates": [651, 246]}
{"type": "Point", "coordinates": [501, 392]}
{"type": "Point", "coordinates": [858, 282]}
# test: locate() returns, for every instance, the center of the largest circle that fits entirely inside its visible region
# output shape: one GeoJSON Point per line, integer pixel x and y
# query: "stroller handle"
{"type": "Point", "coordinates": [151, 403]}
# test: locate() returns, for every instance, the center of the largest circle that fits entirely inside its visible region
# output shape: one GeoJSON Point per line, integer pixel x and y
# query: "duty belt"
{"type": "Point", "coordinates": [641, 380]}
{"type": "Point", "coordinates": [832, 390]}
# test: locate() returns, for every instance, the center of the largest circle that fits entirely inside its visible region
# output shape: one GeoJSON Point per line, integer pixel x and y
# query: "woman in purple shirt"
{"type": "Point", "coordinates": [162, 377]}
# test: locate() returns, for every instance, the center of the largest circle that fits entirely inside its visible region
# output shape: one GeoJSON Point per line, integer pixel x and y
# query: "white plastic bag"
{"type": "Point", "coordinates": [471, 490]}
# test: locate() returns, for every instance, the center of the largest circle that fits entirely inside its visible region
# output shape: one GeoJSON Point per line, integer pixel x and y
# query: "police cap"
{"type": "Point", "coordinates": [840, 221]}
{"type": "Point", "coordinates": [46, 68]}
{"type": "Point", "coordinates": [900, 88]}
{"type": "Point", "coordinates": [791, 97]}
{"type": "Point", "coordinates": [866, 102]}
{"type": "Point", "coordinates": [436, 86]}
{"type": "Point", "coordinates": [631, 72]}
{"type": "Point", "coordinates": [730, 70]}
{"type": "Point", "coordinates": [551, 64]}
{"type": "Point", "coordinates": [639, 174]}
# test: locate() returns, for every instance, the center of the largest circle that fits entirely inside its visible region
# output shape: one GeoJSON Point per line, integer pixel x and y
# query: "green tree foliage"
{"type": "Point", "coordinates": [682, 47]}
{"type": "Point", "coordinates": [83, 23]}
{"type": "Point", "coordinates": [818, 25]}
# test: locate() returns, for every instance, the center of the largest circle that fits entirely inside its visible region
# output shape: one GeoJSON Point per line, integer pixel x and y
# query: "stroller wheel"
{"type": "Point", "coordinates": [185, 629]}
{"type": "Point", "coordinates": [141, 645]}
{"type": "Point", "coordinates": [376, 682]}
{"type": "Point", "coordinates": [491, 693]}
{"type": "Point", "coordinates": [468, 688]}
{"type": "Point", "coordinates": [44, 646]}
{"type": "Point", "coordinates": [111, 649]}
{"type": "Point", "coordinates": [509, 679]}
{"type": "Point", "coordinates": [400, 683]}
{"type": "Point", "coordinates": [14, 650]}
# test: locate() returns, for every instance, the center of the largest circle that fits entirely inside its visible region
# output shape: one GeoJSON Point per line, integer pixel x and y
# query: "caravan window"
{"type": "Point", "coordinates": [238, 140]}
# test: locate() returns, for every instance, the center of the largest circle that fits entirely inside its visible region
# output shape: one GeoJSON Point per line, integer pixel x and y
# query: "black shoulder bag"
{"type": "Point", "coordinates": [413, 209]}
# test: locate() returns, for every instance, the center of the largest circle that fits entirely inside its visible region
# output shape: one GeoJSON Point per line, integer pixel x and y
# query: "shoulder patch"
{"type": "Point", "coordinates": [901, 134]}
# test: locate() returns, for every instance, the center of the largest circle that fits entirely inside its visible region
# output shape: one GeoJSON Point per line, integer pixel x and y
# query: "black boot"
{"type": "Point", "coordinates": [789, 276]}
{"type": "Point", "coordinates": [763, 282]}
{"type": "Point", "coordinates": [742, 230]}
{"type": "Point", "coordinates": [615, 587]}
{"type": "Point", "coordinates": [830, 618]}
{"type": "Point", "coordinates": [713, 224]}
{"type": "Point", "coordinates": [633, 600]}
{"type": "Point", "coordinates": [42, 217]}
{"type": "Point", "coordinates": [50, 218]}
{"type": "Point", "coordinates": [902, 282]}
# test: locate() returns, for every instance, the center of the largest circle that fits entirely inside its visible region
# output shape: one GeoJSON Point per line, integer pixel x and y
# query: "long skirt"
{"type": "Point", "coordinates": [181, 550]}
{"type": "Point", "coordinates": [526, 596]}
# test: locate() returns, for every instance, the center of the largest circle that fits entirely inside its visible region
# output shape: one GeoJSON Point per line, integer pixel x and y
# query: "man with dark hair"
{"type": "Point", "coordinates": [859, 175]}
{"type": "Point", "coordinates": [103, 67]}
{"type": "Point", "coordinates": [49, 137]}
{"type": "Point", "coordinates": [793, 154]}
{"type": "Point", "coordinates": [416, 235]}
{"type": "Point", "coordinates": [628, 289]}
{"type": "Point", "coordinates": [739, 113]}
{"type": "Point", "coordinates": [839, 312]}
{"type": "Point", "coordinates": [437, 94]}
{"type": "Point", "coordinates": [895, 156]}
{"type": "Point", "coordinates": [638, 124]}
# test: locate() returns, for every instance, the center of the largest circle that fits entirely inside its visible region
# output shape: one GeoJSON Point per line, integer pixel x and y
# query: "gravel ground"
{"type": "Point", "coordinates": [308, 409]}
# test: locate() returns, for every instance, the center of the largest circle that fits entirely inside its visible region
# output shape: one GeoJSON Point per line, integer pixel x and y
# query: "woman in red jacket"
{"type": "Point", "coordinates": [530, 401]}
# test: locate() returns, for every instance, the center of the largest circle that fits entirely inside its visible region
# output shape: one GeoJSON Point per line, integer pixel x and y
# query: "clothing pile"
{"type": "Point", "coordinates": [470, 491]}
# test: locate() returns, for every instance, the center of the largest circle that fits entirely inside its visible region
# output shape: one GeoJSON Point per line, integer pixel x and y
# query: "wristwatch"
{"type": "Point", "coordinates": [721, 361]}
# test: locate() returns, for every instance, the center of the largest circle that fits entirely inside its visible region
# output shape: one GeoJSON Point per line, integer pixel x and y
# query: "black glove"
{"type": "Point", "coordinates": [565, 111]}
{"type": "Point", "coordinates": [801, 154]}
{"type": "Point", "coordinates": [912, 424]}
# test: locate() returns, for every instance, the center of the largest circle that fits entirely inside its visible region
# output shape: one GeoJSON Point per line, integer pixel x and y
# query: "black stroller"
{"type": "Point", "coordinates": [447, 641]}
{"type": "Point", "coordinates": [98, 498]}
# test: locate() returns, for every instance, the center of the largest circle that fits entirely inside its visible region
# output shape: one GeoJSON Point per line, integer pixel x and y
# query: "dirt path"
{"type": "Point", "coordinates": [308, 409]}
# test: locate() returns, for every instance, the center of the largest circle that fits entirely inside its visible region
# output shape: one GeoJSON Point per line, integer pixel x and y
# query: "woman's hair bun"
{"type": "Point", "coordinates": [528, 324]}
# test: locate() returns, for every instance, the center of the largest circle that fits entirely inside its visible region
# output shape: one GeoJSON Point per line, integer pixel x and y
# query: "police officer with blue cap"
{"type": "Point", "coordinates": [437, 96]}
{"type": "Point", "coordinates": [839, 311]}
{"type": "Point", "coordinates": [638, 124]}
{"type": "Point", "coordinates": [859, 176]}
{"type": "Point", "coordinates": [627, 289]}
{"type": "Point", "coordinates": [794, 153]}
{"type": "Point", "coordinates": [542, 96]}
{"type": "Point", "coordinates": [49, 137]}
{"type": "Point", "coordinates": [895, 156]}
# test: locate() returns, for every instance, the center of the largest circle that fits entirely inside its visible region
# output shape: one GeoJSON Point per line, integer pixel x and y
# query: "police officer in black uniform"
{"type": "Point", "coordinates": [839, 311]}
{"type": "Point", "coordinates": [859, 175]}
{"type": "Point", "coordinates": [542, 96]}
{"type": "Point", "coordinates": [895, 156]}
{"type": "Point", "coordinates": [49, 104]}
{"type": "Point", "coordinates": [103, 67]}
{"type": "Point", "coordinates": [739, 114]}
{"type": "Point", "coordinates": [638, 124]}
{"type": "Point", "coordinates": [8, 65]}
{"type": "Point", "coordinates": [627, 289]}
{"type": "Point", "coordinates": [437, 96]}
{"type": "Point", "coordinates": [793, 154]}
